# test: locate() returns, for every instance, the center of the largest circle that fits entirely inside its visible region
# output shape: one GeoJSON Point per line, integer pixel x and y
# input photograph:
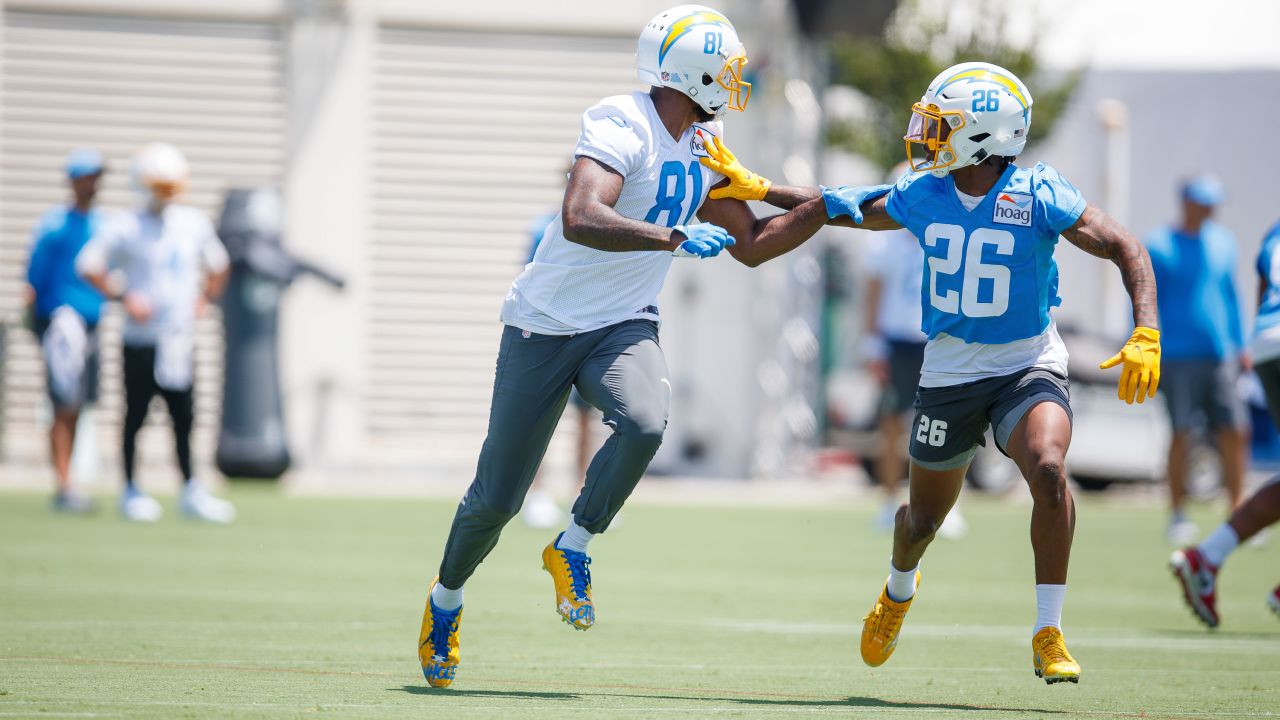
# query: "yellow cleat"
{"type": "Point", "coordinates": [1051, 659]}
{"type": "Point", "coordinates": [881, 626]}
{"type": "Point", "coordinates": [438, 643]}
{"type": "Point", "coordinates": [572, 577]}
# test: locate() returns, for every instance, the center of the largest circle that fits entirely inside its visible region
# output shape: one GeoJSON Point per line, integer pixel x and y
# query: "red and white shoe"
{"type": "Point", "coordinates": [1273, 600]}
{"type": "Point", "coordinates": [1199, 582]}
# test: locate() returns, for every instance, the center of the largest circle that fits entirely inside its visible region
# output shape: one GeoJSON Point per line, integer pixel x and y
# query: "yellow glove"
{"type": "Point", "coordinates": [1141, 373]}
{"type": "Point", "coordinates": [743, 184]}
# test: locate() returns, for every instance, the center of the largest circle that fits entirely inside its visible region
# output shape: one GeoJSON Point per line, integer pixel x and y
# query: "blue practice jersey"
{"type": "Point", "coordinates": [1196, 292]}
{"type": "Point", "coordinates": [60, 234]}
{"type": "Point", "coordinates": [989, 273]}
{"type": "Point", "coordinates": [1269, 271]}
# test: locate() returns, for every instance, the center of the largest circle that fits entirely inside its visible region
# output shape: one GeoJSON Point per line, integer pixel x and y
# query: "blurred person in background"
{"type": "Point", "coordinates": [584, 313]}
{"type": "Point", "coordinates": [895, 353]}
{"type": "Point", "coordinates": [1204, 349]}
{"type": "Point", "coordinates": [540, 509]}
{"type": "Point", "coordinates": [1196, 568]}
{"type": "Point", "coordinates": [65, 310]}
{"type": "Point", "coordinates": [172, 265]}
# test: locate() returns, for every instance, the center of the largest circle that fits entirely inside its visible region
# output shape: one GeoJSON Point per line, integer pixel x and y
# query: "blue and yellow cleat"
{"type": "Point", "coordinates": [572, 579]}
{"type": "Point", "coordinates": [1050, 658]}
{"type": "Point", "coordinates": [438, 643]}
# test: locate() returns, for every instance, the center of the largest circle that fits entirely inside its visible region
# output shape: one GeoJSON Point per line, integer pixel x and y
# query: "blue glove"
{"type": "Point", "coordinates": [703, 240]}
{"type": "Point", "coordinates": [846, 200]}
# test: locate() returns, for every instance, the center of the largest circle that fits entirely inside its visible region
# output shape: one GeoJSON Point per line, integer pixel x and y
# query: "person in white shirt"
{"type": "Point", "coordinates": [584, 312]}
{"type": "Point", "coordinates": [171, 264]}
{"type": "Point", "coordinates": [894, 351]}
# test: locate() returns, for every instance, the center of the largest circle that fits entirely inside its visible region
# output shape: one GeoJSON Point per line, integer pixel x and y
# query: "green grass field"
{"type": "Point", "coordinates": [310, 608]}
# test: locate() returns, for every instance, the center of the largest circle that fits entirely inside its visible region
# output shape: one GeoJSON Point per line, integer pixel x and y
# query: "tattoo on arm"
{"type": "Point", "coordinates": [1101, 236]}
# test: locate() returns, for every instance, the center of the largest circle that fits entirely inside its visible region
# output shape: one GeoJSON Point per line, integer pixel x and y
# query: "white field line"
{"type": "Point", "coordinates": [59, 714]}
{"type": "Point", "coordinates": [339, 666]}
{"type": "Point", "coordinates": [1016, 633]}
{"type": "Point", "coordinates": [178, 622]}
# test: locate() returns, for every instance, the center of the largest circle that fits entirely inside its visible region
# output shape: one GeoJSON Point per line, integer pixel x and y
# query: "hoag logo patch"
{"type": "Point", "coordinates": [1013, 209]}
{"type": "Point", "coordinates": [698, 142]}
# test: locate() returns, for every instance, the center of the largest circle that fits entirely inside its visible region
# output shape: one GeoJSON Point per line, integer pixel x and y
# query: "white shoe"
{"type": "Point", "coordinates": [137, 506]}
{"type": "Point", "coordinates": [1182, 532]}
{"type": "Point", "coordinates": [953, 526]}
{"type": "Point", "coordinates": [540, 511]}
{"type": "Point", "coordinates": [199, 504]}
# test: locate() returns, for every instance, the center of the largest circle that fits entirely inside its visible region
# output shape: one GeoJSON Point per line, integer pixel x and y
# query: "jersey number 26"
{"type": "Point", "coordinates": [967, 302]}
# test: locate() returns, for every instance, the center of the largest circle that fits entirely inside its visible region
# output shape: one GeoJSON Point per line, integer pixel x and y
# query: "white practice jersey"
{"type": "Point", "coordinates": [896, 260]}
{"type": "Point", "coordinates": [569, 288]}
{"type": "Point", "coordinates": [163, 258]}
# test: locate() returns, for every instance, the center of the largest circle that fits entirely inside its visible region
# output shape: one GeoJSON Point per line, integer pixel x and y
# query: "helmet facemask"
{"type": "Point", "coordinates": [928, 138]}
{"type": "Point", "coordinates": [731, 79]}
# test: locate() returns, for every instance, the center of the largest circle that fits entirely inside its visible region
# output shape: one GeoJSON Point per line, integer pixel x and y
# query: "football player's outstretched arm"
{"type": "Point", "coordinates": [742, 184]}
{"type": "Point", "coordinates": [1099, 235]}
{"type": "Point", "coordinates": [589, 217]}
{"type": "Point", "coordinates": [875, 216]}
{"type": "Point", "coordinates": [762, 239]}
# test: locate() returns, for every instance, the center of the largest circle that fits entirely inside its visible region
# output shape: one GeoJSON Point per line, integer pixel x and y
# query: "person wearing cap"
{"type": "Point", "coordinates": [1204, 349]}
{"type": "Point", "coordinates": [172, 264]}
{"type": "Point", "coordinates": [64, 312]}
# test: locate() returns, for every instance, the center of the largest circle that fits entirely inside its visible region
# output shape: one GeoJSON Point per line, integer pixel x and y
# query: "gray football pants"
{"type": "Point", "coordinates": [620, 370]}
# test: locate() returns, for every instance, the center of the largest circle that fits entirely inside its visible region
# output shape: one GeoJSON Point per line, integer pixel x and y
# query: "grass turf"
{"type": "Point", "coordinates": [310, 608]}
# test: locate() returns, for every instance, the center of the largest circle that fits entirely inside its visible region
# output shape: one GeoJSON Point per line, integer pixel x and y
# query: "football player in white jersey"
{"type": "Point", "coordinates": [584, 312]}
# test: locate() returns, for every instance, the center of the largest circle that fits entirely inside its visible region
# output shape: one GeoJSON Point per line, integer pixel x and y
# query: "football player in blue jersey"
{"type": "Point", "coordinates": [988, 228]}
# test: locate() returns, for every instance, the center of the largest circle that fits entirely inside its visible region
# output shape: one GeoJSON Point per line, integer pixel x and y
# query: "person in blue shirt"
{"type": "Point", "coordinates": [1205, 353]}
{"type": "Point", "coordinates": [65, 310]}
{"type": "Point", "coordinates": [1197, 567]}
{"type": "Point", "coordinates": [988, 228]}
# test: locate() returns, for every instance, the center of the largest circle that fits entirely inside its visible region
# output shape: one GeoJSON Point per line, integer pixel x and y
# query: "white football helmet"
{"type": "Point", "coordinates": [695, 50]}
{"type": "Point", "coordinates": [970, 112]}
{"type": "Point", "coordinates": [160, 170]}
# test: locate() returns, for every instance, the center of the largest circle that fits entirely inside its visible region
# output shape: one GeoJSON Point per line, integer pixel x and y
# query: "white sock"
{"type": "Point", "coordinates": [575, 538]}
{"type": "Point", "coordinates": [902, 583]}
{"type": "Point", "coordinates": [446, 599]}
{"type": "Point", "coordinates": [1219, 544]}
{"type": "Point", "coordinates": [1049, 606]}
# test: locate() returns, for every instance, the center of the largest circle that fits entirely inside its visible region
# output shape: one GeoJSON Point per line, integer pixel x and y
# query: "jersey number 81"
{"type": "Point", "coordinates": [673, 191]}
{"type": "Point", "coordinates": [967, 302]}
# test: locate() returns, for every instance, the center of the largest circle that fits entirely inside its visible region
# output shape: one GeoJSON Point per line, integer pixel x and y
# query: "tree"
{"type": "Point", "coordinates": [893, 70]}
